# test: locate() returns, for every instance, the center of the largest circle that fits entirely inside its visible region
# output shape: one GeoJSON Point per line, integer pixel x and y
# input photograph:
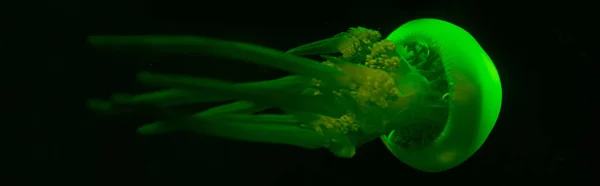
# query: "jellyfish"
{"type": "Point", "coordinates": [428, 91]}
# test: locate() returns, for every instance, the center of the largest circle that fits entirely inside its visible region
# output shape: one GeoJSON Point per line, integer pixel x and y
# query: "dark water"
{"type": "Point", "coordinates": [63, 141]}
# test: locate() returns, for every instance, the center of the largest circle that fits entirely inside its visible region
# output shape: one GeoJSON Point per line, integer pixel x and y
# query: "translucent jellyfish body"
{"type": "Point", "coordinates": [428, 90]}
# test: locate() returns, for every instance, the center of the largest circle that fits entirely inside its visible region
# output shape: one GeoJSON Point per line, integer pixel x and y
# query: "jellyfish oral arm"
{"type": "Point", "coordinates": [284, 93]}
{"type": "Point", "coordinates": [278, 129]}
{"type": "Point", "coordinates": [233, 121]}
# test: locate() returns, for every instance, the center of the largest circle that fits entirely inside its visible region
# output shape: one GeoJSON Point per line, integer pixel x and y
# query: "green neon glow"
{"type": "Point", "coordinates": [428, 90]}
{"type": "Point", "coordinates": [471, 119]}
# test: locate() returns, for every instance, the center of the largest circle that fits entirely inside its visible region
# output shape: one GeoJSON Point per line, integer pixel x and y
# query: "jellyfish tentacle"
{"type": "Point", "coordinates": [239, 107]}
{"type": "Point", "coordinates": [267, 129]}
{"type": "Point", "coordinates": [335, 60]}
{"type": "Point", "coordinates": [353, 44]}
{"type": "Point", "coordinates": [325, 105]}
{"type": "Point", "coordinates": [279, 119]}
{"type": "Point", "coordinates": [325, 46]}
{"type": "Point", "coordinates": [171, 97]}
{"type": "Point", "coordinates": [284, 84]}
{"type": "Point", "coordinates": [124, 103]}
{"type": "Point", "coordinates": [120, 103]}
{"type": "Point", "coordinates": [228, 49]}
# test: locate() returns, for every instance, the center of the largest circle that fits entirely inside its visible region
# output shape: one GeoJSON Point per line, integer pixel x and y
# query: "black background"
{"type": "Point", "coordinates": [544, 53]}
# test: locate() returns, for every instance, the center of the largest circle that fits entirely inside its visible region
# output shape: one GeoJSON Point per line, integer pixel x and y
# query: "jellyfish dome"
{"type": "Point", "coordinates": [473, 94]}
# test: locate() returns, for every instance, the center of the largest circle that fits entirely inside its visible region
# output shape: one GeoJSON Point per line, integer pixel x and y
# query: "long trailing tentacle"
{"type": "Point", "coordinates": [218, 121]}
{"type": "Point", "coordinates": [352, 44]}
{"type": "Point", "coordinates": [188, 45]}
{"type": "Point", "coordinates": [322, 104]}
{"type": "Point", "coordinates": [239, 107]}
{"type": "Point", "coordinates": [279, 129]}
{"type": "Point", "coordinates": [325, 46]}
{"type": "Point", "coordinates": [119, 103]}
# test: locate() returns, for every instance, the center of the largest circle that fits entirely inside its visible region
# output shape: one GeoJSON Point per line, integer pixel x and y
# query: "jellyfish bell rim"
{"type": "Point", "coordinates": [476, 100]}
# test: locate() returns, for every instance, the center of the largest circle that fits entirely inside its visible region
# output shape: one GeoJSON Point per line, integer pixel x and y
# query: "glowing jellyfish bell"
{"type": "Point", "coordinates": [429, 91]}
{"type": "Point", "coordinates": [474, 105]}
